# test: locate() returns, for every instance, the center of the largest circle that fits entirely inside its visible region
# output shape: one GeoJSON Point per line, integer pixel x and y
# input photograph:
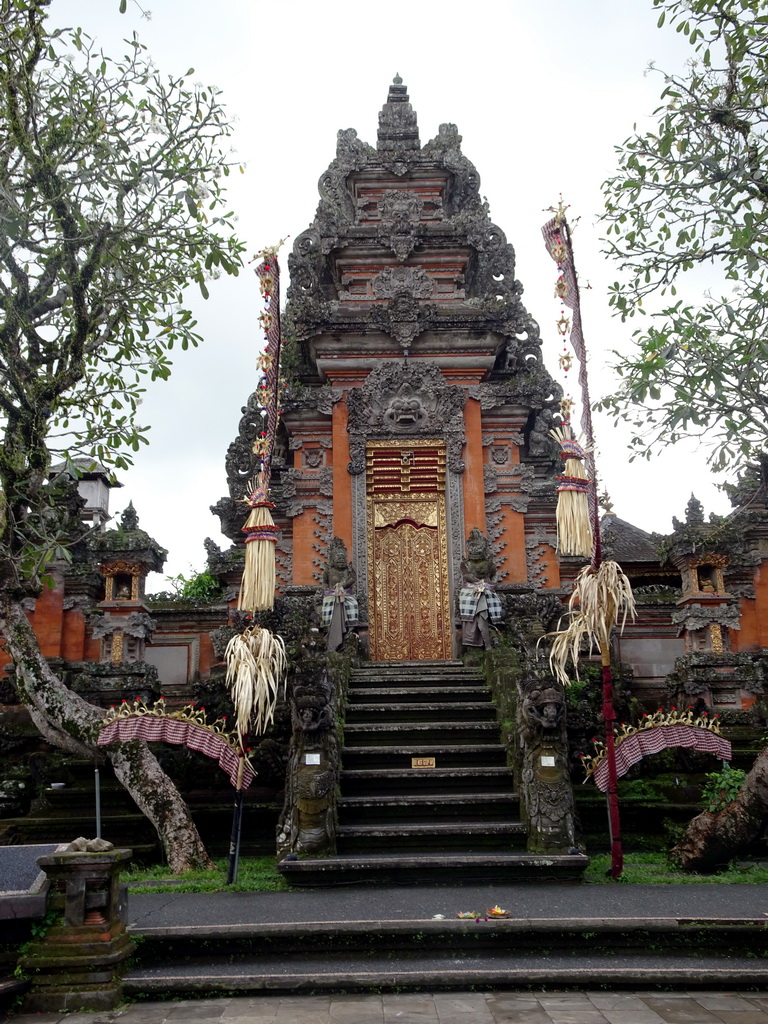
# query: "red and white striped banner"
{"type": "Point", "coordinates": [158, 729]}
{"type": "Point", "coordinates": [650, 741]}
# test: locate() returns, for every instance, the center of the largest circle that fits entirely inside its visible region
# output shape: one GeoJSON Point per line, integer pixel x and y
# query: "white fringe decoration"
{"type": "Point", "coordinates": [256, 665]}
{"type": "Point", "coordinates": [574, 529]}
{"type": "Point", "coordinates": [257, 588]}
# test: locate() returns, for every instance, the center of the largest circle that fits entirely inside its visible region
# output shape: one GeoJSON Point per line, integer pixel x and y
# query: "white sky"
{"type": "Point", "coordinates": [541, 91]}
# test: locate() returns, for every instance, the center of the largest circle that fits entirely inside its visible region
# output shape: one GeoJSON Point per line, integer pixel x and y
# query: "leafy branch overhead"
{"type": "Point", "coordinates": [111, 204]}
{"type": "Point", "coordinates": [690, 197]}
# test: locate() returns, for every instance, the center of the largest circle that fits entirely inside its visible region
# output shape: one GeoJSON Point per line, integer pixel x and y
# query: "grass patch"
{"type": "Point", "coordinates": [255, 874]}
{"type": "Point", "coordinates": [654, 869]}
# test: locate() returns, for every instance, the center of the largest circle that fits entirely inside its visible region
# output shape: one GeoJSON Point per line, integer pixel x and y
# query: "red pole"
{"type": "Point", "coordinates": [609, 716]}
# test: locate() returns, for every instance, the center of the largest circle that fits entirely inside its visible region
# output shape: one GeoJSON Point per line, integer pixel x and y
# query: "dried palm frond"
{"type": "Point", "coordinates": [574, 529]}
{"type": "Point", "coordinates": [255, 667]}
{"type": "Point", "coordinates": [599, 598]}
{"type": "Point", "coordinates": [602, 596]}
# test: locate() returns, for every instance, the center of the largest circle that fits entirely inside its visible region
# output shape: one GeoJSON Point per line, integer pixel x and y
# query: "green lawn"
{"type": "Point", "coordinates": [255, 874]}
{"type": "Point", "coordinates": [653, 868]}
{"type": "Point", "coordinates": [258, 874]}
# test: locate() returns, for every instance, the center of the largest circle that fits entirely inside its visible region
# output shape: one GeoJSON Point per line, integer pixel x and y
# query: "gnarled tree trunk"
{"type": "Point", "coordinates": [715, 837]}
{"type": "Point", "coordinates": [71, 723]}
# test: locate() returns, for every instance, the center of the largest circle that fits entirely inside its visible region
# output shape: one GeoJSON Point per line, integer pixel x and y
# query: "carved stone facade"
{"type": "Point", "coordinates": [406, 327]}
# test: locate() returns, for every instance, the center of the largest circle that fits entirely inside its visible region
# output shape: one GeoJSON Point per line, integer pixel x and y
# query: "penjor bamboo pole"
{"type": "Point", "coordinates": [609, 711]}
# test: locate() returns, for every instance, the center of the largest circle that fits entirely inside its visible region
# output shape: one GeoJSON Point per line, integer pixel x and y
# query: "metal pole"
{"type": "Point", "coordinates": [237, 822]}
{"type": "Point", "coordinates": [97, 781]}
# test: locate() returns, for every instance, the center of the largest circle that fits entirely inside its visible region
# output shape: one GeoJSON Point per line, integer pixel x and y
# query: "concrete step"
{"type": "Point", "coordinates": [446, 755]}
{"type": "Point", "coordinates": [427, 809]}
{"type": "Point", "coordinates": [406, 733]}
{"type": "Point", "coordinates": [464, 836]}
{"type": "Point", "coordinates": [456, 970]}
{"type": "Point", "coordinates": [418, 694]}
{"type": "Point", "coordinates": [447, 781]}
{"type": "Point", "coordinates": [434, 867]}
{"type": "Point", "coordinates": [433, 712]}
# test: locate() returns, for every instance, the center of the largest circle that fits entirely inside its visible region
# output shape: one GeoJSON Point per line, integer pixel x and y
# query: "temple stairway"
{"type": "Point", "coordinates": [426, 793]}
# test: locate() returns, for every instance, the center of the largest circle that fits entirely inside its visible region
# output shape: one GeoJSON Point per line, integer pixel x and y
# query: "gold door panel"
{"type": "Point", "coordinates": [407, 553]}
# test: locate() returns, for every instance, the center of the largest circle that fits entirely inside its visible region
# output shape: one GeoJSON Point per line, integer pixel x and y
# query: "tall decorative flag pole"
{"type": "Point", "coordinates": [602, 592]}
{"type": "Point", "coordinates": [256, 657]}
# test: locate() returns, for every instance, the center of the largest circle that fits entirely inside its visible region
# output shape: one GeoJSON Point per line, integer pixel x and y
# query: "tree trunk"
{"type": "Point", "coordinates": [715, 837]}
{"type": "Point", "coordinates": [73, 724]}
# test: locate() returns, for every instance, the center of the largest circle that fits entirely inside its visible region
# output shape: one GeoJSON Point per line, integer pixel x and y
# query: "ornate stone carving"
{"type": "Point", "coordinates": [220, 637]}
{"type": "Point", "coordinates": [445, 150]}
{"type": "Point", "coordinates": [545, 790]}
{"type": "Point", "coordinates": [137, 624]}
{"type": "Point", "coordinates": [537, 544]}
{"type": "Point", "coordinates": [409, 281]}
{"type": "Point", "coordinates": [400, 212]}
{"type": "Point", "coordinates": [404, 318]}
{"type": "Point", "coordinates": [398, 137]}
{"type": "Point", "coordinates": [411, 399]}
{"type": "Point", "coordinates": [696, 616]}
{"type": "Point", "coordinates": [326, 482]}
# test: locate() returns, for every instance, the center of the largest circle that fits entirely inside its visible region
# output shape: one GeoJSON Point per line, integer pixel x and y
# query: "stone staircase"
{"type": "Point", "coordinates": [425, 787]}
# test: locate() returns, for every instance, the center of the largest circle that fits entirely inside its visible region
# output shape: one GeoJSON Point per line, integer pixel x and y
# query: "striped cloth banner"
{"type": "Point", "coordinates": [155, 729]}
{"type": "Point", "coordinates": [650, 741]}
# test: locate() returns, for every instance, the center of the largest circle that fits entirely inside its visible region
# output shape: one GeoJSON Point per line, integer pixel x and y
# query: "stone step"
{"type": "Point", "coordinates": [446, 781]}
{"type": "Point", "coordinates": [427, 808]}
{"type": "Point", "coordinates": [415, 694]}
{"type": "Point", "coordinates": [446, 755]}
{"type": "Point", "coordinates": [415, 677]}
{"type": "Point", "coordinates": [464, 836]}
{"type": "Point", "coordinates": [372, 733]}
{"type": "Point", "coordinates": [366, 949]}
{"type": "Point", "coordinates": [413, 713]}
{"type": "Point", "coordinates": [500, 865]}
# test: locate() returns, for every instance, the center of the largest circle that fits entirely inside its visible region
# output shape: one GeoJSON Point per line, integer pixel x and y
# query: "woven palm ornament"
{"type": "Point", "coordinates": [257, 589]}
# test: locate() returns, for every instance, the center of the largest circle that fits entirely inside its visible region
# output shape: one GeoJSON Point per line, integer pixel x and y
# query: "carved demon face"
{"type": "Point", "coordinates": [405, 411]}
{"type": "Point", "coordinates": [544, 708]}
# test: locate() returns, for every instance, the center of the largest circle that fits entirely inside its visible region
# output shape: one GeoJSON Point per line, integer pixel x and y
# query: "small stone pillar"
{"type": "Point", "coordinates": [76, 964]}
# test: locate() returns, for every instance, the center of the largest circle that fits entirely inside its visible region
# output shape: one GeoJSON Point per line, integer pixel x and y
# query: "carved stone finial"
{"type": "Point", "coordinates": [129, 520]}
{"type": "Point", "coordinates": [398, 130]}
{"type": "Point", "coordinates": [694, 511]}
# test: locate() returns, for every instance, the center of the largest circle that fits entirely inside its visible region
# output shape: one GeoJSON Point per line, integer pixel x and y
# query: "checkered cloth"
{"type": "Point", "coordinates": [351, 611]}
{"type": "Point", "coordinates": [469, 598]}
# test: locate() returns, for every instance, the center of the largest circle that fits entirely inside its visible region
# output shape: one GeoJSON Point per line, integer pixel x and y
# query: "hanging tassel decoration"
{"type": "Point", "coordinates": [255, 668]}
{"type": "Point", "coordinates": [574, 529]}
{"type": "Point", "coordinates": [257, 588]}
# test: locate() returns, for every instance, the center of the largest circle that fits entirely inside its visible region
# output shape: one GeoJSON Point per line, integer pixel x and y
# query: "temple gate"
{"type": "Point", "coordinates": [416, 406]}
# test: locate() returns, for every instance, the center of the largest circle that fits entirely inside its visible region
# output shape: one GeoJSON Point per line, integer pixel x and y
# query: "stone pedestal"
{"type": "Point", "coordinates": [76, 964]}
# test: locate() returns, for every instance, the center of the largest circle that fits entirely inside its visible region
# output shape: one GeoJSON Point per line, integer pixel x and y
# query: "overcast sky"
{"type": "Point", "coordinates": [541, 91]}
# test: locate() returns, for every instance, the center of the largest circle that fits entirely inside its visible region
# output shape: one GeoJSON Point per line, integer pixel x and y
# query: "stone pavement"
{"type": "Point", "coordinates": [499, 1007]}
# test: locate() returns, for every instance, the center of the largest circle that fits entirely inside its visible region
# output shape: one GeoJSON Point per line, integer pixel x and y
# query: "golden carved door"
{"type": "Point", "coordinates": [407, 552]}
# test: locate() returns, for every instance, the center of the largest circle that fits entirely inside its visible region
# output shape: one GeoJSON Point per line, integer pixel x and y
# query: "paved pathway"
{"type": "Point", "coordinates": [206, 911]}
{"type": "Point", "coordinates": [500, 1007]}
